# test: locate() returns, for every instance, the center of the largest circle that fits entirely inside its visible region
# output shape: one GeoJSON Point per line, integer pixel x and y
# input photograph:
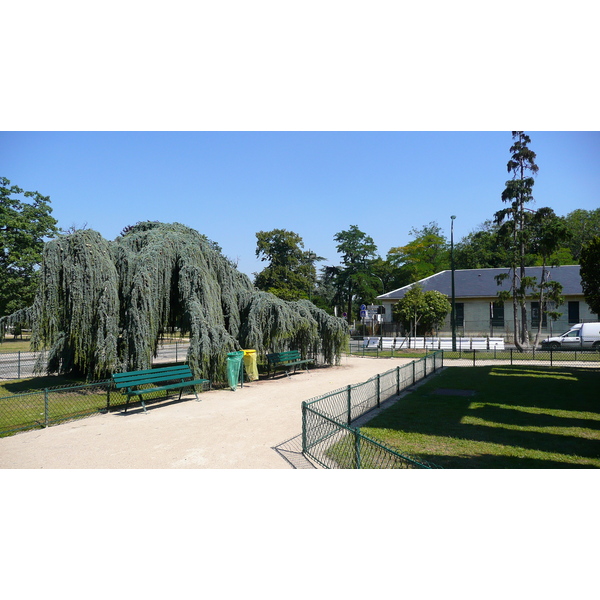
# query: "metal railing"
{"type": "Point", "coordinates": [328, 437]}
{"type": "Point", "coordinates": [579, 358]}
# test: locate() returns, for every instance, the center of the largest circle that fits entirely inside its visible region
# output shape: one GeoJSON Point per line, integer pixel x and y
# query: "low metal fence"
{"type": "Point", "coordinates": [52, 406]}
{"type": "Point", "coordinates": [480, 357]}
{"type": "Point", "coordinates": [327, 433]}
{"type": "Point", "coordinates": [575, 358]}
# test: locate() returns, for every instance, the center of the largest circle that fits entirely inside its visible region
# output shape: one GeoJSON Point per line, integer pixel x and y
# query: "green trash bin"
{"type": "Point", "coordinates": [235, 367]}
{"type": "Point", "coordinates": [250, 365]}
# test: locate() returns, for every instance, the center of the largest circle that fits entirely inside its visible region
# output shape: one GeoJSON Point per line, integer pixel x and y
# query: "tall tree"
{"type": "Point", "coordinates": [547, 233]}
{"type": "Point", "coordinates": [427, 254]}
{"type": "Point", "coordinates": [355, 279]}
{"type": "Point", "coordinates": [291, 272]}
{"type": "Point", "coordinates": [584, 226]}
{"type": "Point", "coordinates": [517, 193]}
{"type": "Point", "coordinates": [590, 274]}
{"type": "Point", "coordinates": [481, 249]}
{"type": "Point", "coordinates": [25, 221]}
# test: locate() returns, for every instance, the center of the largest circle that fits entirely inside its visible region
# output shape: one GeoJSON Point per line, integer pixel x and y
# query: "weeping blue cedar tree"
{"type": "Point", "coordinates": [103, 306]}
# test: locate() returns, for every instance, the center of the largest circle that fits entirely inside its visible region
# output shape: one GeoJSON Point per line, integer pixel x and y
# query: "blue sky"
{"type": "Point", "coordinates": [230, 185]}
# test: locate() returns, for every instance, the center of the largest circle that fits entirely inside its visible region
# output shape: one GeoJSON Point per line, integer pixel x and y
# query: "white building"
{"type": "Point", "coordinates": [478, 311]}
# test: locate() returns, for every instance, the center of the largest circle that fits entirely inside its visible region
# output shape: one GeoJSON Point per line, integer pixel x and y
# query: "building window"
{"type": "Point", "coordinates": [460, 314]}
{"type": "Point", "coordinates": [574, 312]}
{"type": "Point", "coordinates": [535, 315]}
{"type": "Point", "coordinates": [497, 314]}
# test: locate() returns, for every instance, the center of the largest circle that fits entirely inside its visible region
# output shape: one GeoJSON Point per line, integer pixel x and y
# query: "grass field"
{"type": "Point", "coordinates": [25, 405]}
{"type": "Point", "coordinates": [9, 345]}
{"type": "Point", "coordinates": [498, 417]}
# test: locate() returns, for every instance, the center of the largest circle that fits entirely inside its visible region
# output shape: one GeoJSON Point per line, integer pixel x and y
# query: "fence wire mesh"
{"type": "Point", "coordinates": [52, 406]}
{"type": "Point", "coordinates": [327, 435]}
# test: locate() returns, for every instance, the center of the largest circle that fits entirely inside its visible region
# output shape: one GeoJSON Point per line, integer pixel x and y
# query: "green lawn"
{"type": "Point", "coordinates": [23, 403]}
{"type": "Point", "coordinates": [498, 417]}
{"type": "Point", "coordinates": [10, 345]}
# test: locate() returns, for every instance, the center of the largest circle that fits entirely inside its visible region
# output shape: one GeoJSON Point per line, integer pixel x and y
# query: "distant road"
{"type": "Point", "coordinates": [20, 365]}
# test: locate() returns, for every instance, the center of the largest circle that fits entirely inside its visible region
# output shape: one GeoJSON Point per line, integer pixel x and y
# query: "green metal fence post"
{"type": "Point", "coordinates": [550, 356]}
{"type": "Point", "coordinates": [378, 390]}
{"type": "Point", "coordinates": [511, 357]}
{"type": "Point", "coordinates": [397, 381]}
{"type": "Point", "coordinates": [46, 408]}
{"type": "Point", "coordinates": [349, 404]}
{"type": "Point", "coordinates": [303, 427]}
{"type": "Point", "coordinates": [357, 446]}
{"type": "Point", "coordinates": [19, 364]}
{"type": "Point", "coordinates": [414, 373]}
{"type": "Point", "coordinates": [474, 357]}
{"type": "Point", "coordinates": [108, 398]}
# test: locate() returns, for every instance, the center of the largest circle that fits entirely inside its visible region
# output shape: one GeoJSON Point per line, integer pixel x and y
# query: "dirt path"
{"type": "Point", "coordinates": [255, 427]}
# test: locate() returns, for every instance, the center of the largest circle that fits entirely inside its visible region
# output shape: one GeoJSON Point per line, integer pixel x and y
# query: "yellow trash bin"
{"type": "Point", "coordinates": [250, 365]}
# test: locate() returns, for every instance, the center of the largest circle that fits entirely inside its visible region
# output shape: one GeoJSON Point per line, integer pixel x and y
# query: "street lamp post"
{"type": "Point", "coordinates": [453, 313]}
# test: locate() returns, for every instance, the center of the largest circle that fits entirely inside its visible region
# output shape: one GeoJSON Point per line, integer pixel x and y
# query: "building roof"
{"type": "Point", "coordinates": [480, 283]}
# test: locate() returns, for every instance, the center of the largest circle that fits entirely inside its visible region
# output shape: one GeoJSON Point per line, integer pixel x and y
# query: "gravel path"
{"type": "Point", "coordinates": [255, 427]}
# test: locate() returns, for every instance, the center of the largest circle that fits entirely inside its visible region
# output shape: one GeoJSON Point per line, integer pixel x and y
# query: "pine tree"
{"type": "Point", "coordinates": [518, 192]}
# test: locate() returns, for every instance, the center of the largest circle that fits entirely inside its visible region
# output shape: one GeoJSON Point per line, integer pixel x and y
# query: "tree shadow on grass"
{"type": "Point", "coordinates": [490, 461]}
{"type": "Point", "coordinates": [500, 411]}
{"type": "Point", "coordinates": [514, 416]}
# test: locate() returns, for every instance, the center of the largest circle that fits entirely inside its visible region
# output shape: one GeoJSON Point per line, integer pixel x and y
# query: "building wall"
{"type": "Point", "coordinates": [477, 320]}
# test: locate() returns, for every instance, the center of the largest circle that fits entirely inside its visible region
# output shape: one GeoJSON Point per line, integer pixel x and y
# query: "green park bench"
{"type": "Point", "coordinates": [156, 380]}
{"type": "Point", "coordinates": [286, 360]}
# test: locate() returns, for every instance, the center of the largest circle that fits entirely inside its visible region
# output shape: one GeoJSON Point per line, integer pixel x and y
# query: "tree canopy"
{"type": "Point", "coordinates": [427, 254]}
{"type": "Point", "coordinates": [291, 272]}
{"type": "Point", "coordinates": [25, 221]}
{"type": "Point", "coordinates": [103, 306]}
{"type": "Point", "coordinates": [421, 311]}
{"type": "Point", "coordinates": [590, 273]}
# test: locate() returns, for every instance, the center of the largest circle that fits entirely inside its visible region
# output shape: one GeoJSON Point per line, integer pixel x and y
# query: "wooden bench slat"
{"type": "Point", "coordinates": [133, 379]}
{"type": "Point", "coordinates": [285, 360]}
{"type": "Point", "coordinates": [148, 379]}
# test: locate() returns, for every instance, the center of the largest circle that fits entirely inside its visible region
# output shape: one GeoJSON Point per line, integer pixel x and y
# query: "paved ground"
{"type": "Point", "coordinates": [255, 427]}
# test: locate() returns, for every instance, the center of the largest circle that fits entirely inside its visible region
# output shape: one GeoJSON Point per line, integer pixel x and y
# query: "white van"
{"type": "Point", "coordinates": [582, 335]}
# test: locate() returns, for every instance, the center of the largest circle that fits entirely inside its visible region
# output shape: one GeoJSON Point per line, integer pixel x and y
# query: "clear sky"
{"type": "Point", "coordinates": [230, 185]}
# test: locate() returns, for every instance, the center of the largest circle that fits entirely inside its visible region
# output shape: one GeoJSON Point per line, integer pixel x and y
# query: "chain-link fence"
{"type": "Point", "coordinates": [328, 437]}
{"type": "Point", "coordinates": [52, 406]}
{"type": "Point", "coordinates": [566, 358]}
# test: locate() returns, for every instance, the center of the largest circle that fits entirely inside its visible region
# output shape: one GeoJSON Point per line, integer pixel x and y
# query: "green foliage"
{"type": "Point", "coordinates": [590, 274]}
{"type": "Point", "coordinates": [355, 281]}
{"type": "Point", "coordinates": [481, 249]}
{"type": "Point", "coordinates": [514, 228]}
{"type": "Point", "coordinates": [24, 223]}
{"type": "Point", "coordinates": [583, 226]}
{"type": "Point", "coordinates": [420, 311]}
{"type": "Point", "coordinates": [426, 255]}
{"type": "Point", "coordinates": [104, 306]}
{"type": "Point", "coordinates": [291, 273]}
